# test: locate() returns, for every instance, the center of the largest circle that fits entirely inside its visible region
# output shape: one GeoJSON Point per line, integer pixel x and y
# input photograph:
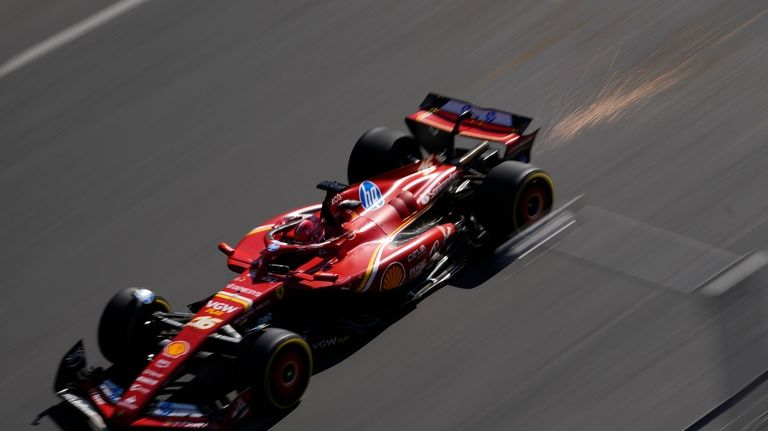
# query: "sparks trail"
{"type": "Point", "coordinates": [693, 54]}
{"type": "Point", "coordinates": [613, 101]}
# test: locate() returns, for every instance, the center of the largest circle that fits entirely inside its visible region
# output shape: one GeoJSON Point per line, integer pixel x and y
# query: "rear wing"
{"type": "Point", "coordinates": [490, 124]}
{"type": "Point", "coordinates": [457, 117]}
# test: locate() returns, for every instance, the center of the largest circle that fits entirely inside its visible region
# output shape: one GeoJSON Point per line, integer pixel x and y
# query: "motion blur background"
{"type": "Point", "coordinates": [128, 153]}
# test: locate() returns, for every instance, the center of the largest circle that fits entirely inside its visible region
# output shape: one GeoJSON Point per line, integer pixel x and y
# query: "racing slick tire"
{"type": "Point", "coordinates": [277, 365]}
{"type": "Point", "coordinates": [512, 196]}
{"type": "Point", "coordinates": [380, 150]}
{"type": "Point", "coordinates": [125, 338]}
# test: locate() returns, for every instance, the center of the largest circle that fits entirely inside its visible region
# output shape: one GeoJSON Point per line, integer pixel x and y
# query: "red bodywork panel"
{"type": "Point", "coordinates": [364, 255]}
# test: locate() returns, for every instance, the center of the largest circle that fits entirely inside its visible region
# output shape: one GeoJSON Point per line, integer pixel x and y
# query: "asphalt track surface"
{"type": "Point", "coordinates": [129, 153]}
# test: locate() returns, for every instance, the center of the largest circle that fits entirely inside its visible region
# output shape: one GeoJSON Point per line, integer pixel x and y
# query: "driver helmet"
{"type": "Point", "coordinates": [308, 231]}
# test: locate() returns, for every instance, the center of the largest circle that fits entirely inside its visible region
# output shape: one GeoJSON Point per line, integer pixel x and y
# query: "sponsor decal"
{"type": "Point", "coordinates": [336, 199]}
{"type": "Point", "coordinates": [425, 198]}
{"type": "Point", "coordinates": [370, 195]}
{"type": "Point", "coordinates": [138, 388]}
{"type": "Point", "coordinates": [97, 398]}
{"type": "Point", "coordinates": [466, 107]}
{"type": "Point", "coordinates": [417, 269]}
{"type": "Point", "coordinates": [218, 308]}
{"type": "Point", "coordinates": [273, 246]}
{"type": "Point", "coordinates": [203, 323]}
{"type": "Point", "coordinates": [490, 116]}
{"type": "Point", "coordinates": [213, 312]}
{"type": "Point", "coordinates": [147, 380]}
{"type": "Point", "coordinates": [176, 349]}
{"type": "Point", "coordinates": [129, 403]}
{"type": "Point", "coordinates": [417, 253]}
{"type": "Point", "coordinates": [166, 408]}
{"type": "Point", "coordinates": [162, 409]}
{"type": "Point", "coordinates": [152, 373]}
{"type": "Point", "coordinates": [111, 391]}
{"type": "Point", "coordinates": [184, 424]}
{"type": "Point", "coordinates": [162, 363]}
{"type": "Point", "coordinates": [280, 292]}
{"type": "Point", "coordinates": [241, 289]}
{"type": "Point", "coordinates": [145, 296]}
{"type": "Point", "coordinates": [393, 276]}
{"type": "Point", "coordinates": [435, 247]}
{"type": "Point", "coordinates": [84, 407]}
{"type": "Point", "coordinates": [329, 342]}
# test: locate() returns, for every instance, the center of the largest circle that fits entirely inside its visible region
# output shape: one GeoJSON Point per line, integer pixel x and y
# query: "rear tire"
{"type": "Point", "coordinates": [512, 196]}
{"type": "Point", "coordinates": [277, 364]}
{"type": "Point", "coordinates": [125, 338]}
{"type": "Point", "coordinates": [380, 150]}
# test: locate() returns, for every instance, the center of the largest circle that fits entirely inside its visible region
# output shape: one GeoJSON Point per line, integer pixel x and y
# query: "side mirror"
{"type": "Point", "coordinates": [332, 187]}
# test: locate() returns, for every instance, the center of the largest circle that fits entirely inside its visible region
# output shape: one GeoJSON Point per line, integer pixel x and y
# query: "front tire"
{"type": "Point", "coordinates": [278, 365]}
{"type": "Point", "coordinates": [125, 336]}
{"type": "Point", "coordinates": [512, 196]}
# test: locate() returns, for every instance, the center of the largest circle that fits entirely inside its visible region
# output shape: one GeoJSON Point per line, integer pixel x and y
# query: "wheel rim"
{"type": "Point", "coordinates": [533, 205]}
{"type": "Point", "coordinates": [287, 376]}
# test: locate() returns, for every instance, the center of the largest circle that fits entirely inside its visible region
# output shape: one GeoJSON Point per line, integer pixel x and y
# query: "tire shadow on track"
{"type": "Point", "coordinates": [486, 264]}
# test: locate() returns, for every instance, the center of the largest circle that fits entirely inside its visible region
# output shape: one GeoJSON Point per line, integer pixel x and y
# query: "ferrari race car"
{"type": "Point", "coordinates": [415, 207]}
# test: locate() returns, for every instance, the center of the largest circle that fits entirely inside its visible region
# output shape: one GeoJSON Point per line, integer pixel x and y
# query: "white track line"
{"type": "Point", "coordinates": [67, 35]}
{"type": "Point", "coordinates": [734, 274]}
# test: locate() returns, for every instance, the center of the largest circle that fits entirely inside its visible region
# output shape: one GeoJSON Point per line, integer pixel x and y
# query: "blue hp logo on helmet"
{"type": "Point", "coordinates": [370, 195]}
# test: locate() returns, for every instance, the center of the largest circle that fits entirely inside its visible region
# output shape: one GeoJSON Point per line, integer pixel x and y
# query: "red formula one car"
{"type": "Point", "coordinates": [307, 281]}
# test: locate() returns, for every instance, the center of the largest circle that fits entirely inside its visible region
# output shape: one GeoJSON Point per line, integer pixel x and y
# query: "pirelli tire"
{"type": "Point", "coordinates": [380, 150]}
{"type": "Point", "coordinates": [126, 334]}
{"type": "Point", "coordinates": [512, 196]}
{"type": "Point", "coordinates": [277, 364]}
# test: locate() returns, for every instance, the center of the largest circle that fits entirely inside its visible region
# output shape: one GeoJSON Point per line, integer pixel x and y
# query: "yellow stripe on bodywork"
{"type": "Point", "coordinates": [376, 254]}
{"type": "Point", "coordinates": [245, 302]}
{"type": "Point", "coordinates": [259, 229]}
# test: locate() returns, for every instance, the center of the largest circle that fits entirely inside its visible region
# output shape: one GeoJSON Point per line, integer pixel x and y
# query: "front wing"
{"type": "Point", "coordinates": [88, 391]}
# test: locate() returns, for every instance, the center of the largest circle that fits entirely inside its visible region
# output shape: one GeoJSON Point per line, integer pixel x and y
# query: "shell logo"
{"type": "Point", "coordinates": [393, 276]}
{"type": "Point", "coordinates": [176, 349]}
